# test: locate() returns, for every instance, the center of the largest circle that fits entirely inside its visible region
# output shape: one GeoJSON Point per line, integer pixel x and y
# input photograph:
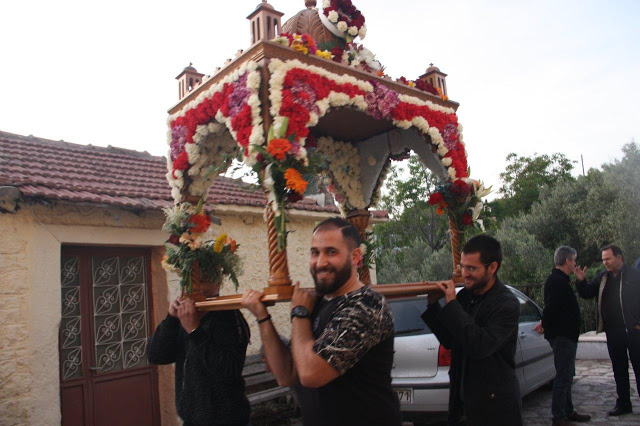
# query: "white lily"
{"type": "Point", "coordinates": [482, 192]}
{"type": "Point", "coordinates": [475, 211]}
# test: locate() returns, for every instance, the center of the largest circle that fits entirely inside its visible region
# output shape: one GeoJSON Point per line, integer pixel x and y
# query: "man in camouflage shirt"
{"type": "Point", "coordinates": [341, 338]}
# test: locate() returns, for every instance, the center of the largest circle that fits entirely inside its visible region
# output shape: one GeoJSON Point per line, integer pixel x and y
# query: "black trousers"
{"type": "Point", "coordinates": [620, 342]}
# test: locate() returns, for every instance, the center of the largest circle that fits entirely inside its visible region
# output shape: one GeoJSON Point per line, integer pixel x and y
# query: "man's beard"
{"type": "Point", "coordinates": [479, 284]}
{"type": "Point", "coordinates": [341, 276]}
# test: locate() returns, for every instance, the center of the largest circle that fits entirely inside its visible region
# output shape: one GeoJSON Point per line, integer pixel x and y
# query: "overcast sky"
{"type": "Point", "coordinates": [536, 76]}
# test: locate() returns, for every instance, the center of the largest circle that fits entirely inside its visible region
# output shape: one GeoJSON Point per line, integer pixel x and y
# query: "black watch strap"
{"type": "Point", "coordinates": [300, 312]}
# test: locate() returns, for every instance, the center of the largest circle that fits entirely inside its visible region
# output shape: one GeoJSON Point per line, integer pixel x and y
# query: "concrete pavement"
{"type": "Point", "coordinates": [594, 393]}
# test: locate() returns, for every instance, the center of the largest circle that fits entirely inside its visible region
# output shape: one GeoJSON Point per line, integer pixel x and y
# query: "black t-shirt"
{"type": "Point", "coordinates": [354, 334]}
{"type": "Point", "coordinates": [611, 310]}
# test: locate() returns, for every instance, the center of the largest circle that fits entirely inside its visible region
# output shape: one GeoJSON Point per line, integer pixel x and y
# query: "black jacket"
{"type": "Point", "coordinates": [209, 361]}
{"type": "Point", "coordinates": [561, 314]}
{"type": "Point", "coordinates": [482, 336]}
{"type": "Point", "coordinates": [629, 295]}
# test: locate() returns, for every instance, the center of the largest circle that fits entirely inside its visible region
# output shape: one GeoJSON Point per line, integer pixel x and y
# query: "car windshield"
{"type": "Point", "coordinates": [406, 316]}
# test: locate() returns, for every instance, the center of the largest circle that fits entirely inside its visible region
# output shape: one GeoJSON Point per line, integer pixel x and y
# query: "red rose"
{"type": "Point", "coordinates": [461, 187]}
{"type": "Point", "coordinates": [174, 239]}
{"type": "Point", "coordinates": [311, 142]}
{"type": "Point", "coordinates": [467, 219]}
{"type": "Point", "coordinates": [294, 197]}
{"type": "Point", "coordinates": [435, 198]}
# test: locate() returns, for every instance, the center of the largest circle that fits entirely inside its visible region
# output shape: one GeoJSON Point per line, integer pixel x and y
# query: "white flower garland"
{"type": "Point", "coordinates": [343, 172]}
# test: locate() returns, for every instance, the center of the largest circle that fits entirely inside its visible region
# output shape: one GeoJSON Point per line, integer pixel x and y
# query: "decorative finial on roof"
{"type": "Point", "coordinates": [431, 64]}
{"type": "Point", "coordinates": [310, 4]}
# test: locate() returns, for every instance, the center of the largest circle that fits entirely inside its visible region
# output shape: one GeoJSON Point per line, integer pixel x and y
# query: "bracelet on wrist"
{"type": "Point", "coordinates": [265, 319]}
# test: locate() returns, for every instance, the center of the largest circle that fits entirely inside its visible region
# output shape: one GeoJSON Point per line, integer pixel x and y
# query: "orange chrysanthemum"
{"type": "Point", "coordinates": [440, 208]}
{"type": "Point", "coordinates": [295, 181]}
{"type": "Point", "coordinates": [278, 148]}
{"type": "Point", "coordinates": [200, 223]}
{"type": "Point", "coordinates": [233, 245]}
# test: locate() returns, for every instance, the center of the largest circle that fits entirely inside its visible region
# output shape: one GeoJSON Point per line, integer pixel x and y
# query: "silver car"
{"type": "Point", "coordinates": [420, 375]}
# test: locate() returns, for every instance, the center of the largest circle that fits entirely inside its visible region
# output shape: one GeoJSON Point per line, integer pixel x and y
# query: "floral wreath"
{"type": "Point", "coordinates": [347, 19]}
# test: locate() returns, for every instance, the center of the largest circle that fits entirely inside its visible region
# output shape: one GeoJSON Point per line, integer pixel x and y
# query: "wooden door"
{"type": "Point", "coordinates": [105, 378]}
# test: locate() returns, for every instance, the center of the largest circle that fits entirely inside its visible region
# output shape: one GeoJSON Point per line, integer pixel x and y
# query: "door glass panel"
{"type": "Point", "coordinates": [120, 312]}
{"type": "Point", "coordinates": [70, 325]}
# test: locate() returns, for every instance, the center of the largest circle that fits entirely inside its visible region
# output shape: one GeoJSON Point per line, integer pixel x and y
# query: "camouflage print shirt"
{"type": "Point", "coordinates": [354, 334]}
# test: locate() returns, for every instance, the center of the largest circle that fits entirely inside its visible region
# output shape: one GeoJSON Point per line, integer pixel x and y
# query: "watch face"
{"type": "Point", "coordinates": [300, 311]}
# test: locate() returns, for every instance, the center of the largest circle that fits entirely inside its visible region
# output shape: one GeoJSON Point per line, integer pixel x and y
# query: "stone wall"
{"type": "Point", "coordinates": [16, 379]}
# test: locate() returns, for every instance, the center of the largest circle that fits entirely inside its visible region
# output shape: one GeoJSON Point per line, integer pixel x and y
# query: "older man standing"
{"type": "Point", "coordinates": [561, 322]}
{"type": "Point", "coordinates": [618, 292]}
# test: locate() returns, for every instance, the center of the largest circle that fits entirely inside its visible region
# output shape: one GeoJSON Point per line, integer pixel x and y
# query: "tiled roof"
{"type": "Point", "coordinates": [120, 177]}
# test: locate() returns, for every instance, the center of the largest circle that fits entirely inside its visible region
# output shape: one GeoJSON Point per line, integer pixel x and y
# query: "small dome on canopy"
{"type": "Point", "coordinates": [308, 21]}
{"type": "Point", "coordinates": [432, 68]}
{"type": "Point", "coordinates": [264, 4]}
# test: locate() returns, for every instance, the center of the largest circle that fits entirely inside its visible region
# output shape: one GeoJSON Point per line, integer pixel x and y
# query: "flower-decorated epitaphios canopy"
{"type": "Point", "coordinates": [309, 100]}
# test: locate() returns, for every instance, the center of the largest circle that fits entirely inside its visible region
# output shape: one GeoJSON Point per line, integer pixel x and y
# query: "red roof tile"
{"type": "Point", "coordinates": [59, 170]}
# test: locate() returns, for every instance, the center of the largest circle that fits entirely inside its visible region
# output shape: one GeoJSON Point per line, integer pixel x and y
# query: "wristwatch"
{"type": "Point", "coordinates": [300, 312]}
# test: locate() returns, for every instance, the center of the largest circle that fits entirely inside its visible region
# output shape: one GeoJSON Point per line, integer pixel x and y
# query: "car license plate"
{"type": "Point", "coordinates": [405, 395]}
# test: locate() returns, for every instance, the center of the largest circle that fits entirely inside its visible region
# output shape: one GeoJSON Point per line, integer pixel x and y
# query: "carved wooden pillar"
{"type": "Point", "coordinates": [279, 279]}
{"type": "Point", "coordinates": [455, 250]}
{"type": "Point", "coordinates": [278, 267]}
{"type": "Point", "coordinates": [360, 219]}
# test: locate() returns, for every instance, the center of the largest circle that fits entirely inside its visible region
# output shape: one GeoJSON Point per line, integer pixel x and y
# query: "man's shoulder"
{"type": "Point", "coordinates": [633, 274]}
{"type": "Point", "coordinates": [506, 296]}
{"type": "Point", "coordinates": [365, 297]}
{"type": "Point", "coordinates": [366, 302]}
{"type": "Point", "coordinates": [598, 277]}
{"type": "Point", "coordinates": [557, 277]}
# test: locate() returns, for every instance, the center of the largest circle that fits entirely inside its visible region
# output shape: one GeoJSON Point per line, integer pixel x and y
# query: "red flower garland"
{"type": "Point", "coordinates": [299, 115]}
{"type": "Point", "coordinates": [321, 87]}
{"type": "Point", "coordinates": [205, 112]}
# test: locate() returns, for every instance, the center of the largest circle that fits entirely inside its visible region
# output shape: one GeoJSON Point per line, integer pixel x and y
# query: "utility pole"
{"type": "Point", "coordinates": [582, 161]}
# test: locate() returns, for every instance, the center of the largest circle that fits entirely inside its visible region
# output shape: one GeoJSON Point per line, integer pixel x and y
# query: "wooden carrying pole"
{"type": "Point", "coordinates": [282, 293]}
{"type": "Point", "coordinates": [390, 291]}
